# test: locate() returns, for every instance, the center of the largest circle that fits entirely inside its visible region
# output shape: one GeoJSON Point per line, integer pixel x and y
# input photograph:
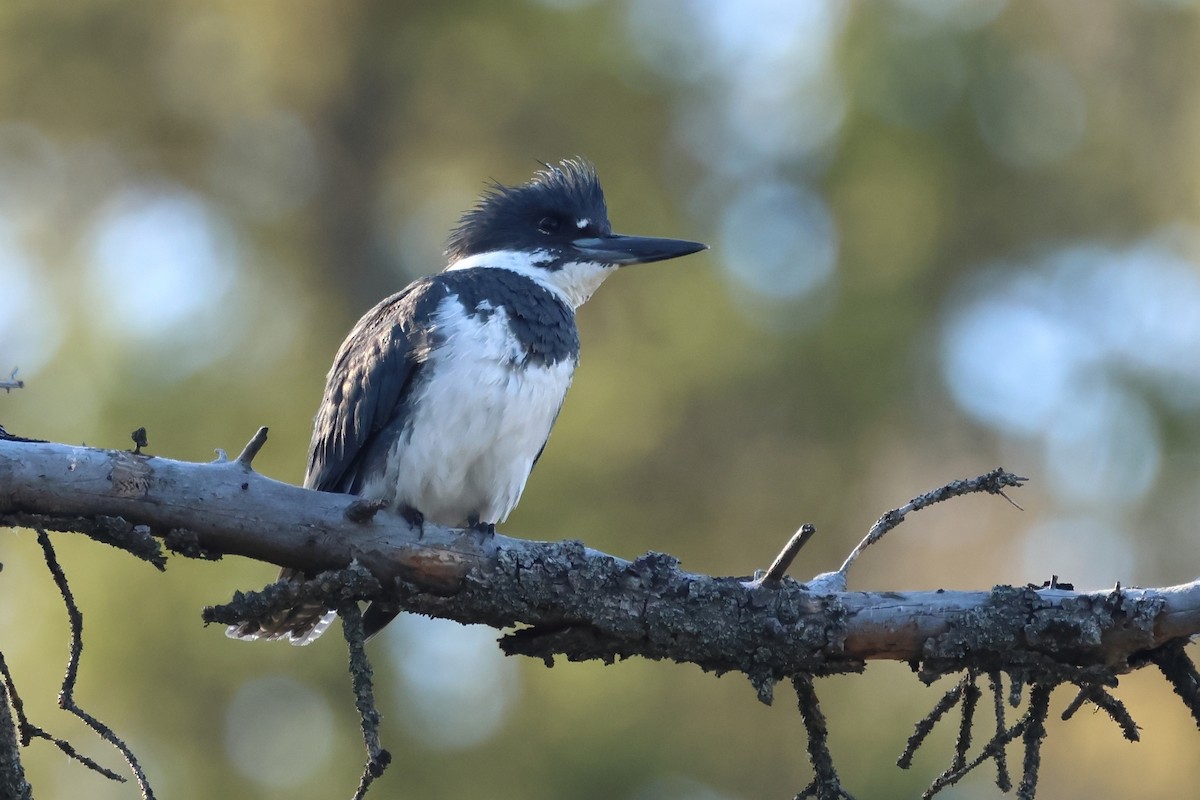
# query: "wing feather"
{"type": "Point", "coordinates": [368, 389]}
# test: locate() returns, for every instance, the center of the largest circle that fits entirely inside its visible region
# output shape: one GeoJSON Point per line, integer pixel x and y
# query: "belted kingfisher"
{"type": "Point", "coordinates": [442, 397]}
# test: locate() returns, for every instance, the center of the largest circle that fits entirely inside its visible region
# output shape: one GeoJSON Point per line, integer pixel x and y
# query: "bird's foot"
{"type": "Point", "coordinates": [485, 528]}
{"type": "Point", "coordinates": [414, 518]}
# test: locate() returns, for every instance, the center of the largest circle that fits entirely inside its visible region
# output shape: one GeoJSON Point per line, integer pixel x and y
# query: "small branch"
{"type": "Point", "coordinates": [66, 697]}
{"type": "Point", "coordinates": [12, 382]}
{"type": "Point", "coordinates": [996, 684]}
{"type": "Point", "coordinates": [994, 482]}
{"type": "Point", "coordinates": [1181, 673]}
{"type": "Point", "coordinates": [364, 698]}
{"type": "Point", "coordinates": [825, 783]}
{"type": "Point", "coordinates": [252, 447]}
{"type": "Point", "coordinates": [926, 724]}
{"type": "Point", "coordinates": [1077, 703]}
{"type": "Point", "coordinates": [28, 731]}
{"type": "Point", "coordinates": [1118, 713]}
{"type": "Point", "coordinates": [970, 700]}
{"type": "Point", "coordinates": [5, 436]}
{"type": "Point", "coordinates": [1115, 709]}
{"type": "Point", "coordinates": [1032, 729]}
{"type": "Point", "coordinates": [991, 750]}
{"type": "Point", "coordinates": [137, 540]}
{"type": "Point", "coordinates": [1035, 732]}
{"type": "Point", "coordinates": [787, 555]}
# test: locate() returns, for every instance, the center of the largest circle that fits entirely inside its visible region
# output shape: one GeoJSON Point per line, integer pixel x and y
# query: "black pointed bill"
{"type": "Point", "coordinates": [622, 250]}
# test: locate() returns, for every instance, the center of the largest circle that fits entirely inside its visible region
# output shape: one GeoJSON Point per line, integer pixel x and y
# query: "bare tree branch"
{"type": "Point", "coordinates": [66, 697]}
{"type": "Point", "coordinates": [581, 603]}
{"type": "Point", "coordinates": [994, 482]}
{"type": "Point", "coordinates": [565, 599]}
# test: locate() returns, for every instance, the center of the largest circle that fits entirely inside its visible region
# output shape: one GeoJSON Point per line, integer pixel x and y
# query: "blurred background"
{"type": "Point", "coordinates": [946, 235]}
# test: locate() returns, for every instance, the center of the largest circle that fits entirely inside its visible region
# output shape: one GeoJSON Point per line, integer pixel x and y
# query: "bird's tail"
{"type": "Point", "coordinates": [300, 626]}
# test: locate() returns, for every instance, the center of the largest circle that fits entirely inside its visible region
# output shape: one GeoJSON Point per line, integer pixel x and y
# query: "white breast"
{"type": "Point", "coordinates": [480, 420]}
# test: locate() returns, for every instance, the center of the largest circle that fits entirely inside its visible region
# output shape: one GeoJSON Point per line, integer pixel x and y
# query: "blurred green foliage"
{"type": "Point", "coordinates": [197, 200]}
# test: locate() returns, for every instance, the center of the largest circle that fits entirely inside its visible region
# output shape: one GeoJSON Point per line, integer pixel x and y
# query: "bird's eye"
{"type": "Point", "coordinates": [548, 224]}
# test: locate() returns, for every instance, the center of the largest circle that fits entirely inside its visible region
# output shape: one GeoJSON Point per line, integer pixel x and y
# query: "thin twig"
{"type": "Point", "coordinates": [137, 540]}
{"type": "Point", "coordinates": [66, 696]}
{"type": "Point", "coordinates": [1035, 732]}
{"type": "Point", "coordinates": [970, 700]}
{"type": "Point", "coordinates": [1032, 729]}
{"type": "Point", "coordinates": [252, 447]}
{"type": "Point", "coordinates": [990, 750]}
{"type": "Point", "coordinates": [5, 436]}
{"type": "Point", "coordinates": [1181, 673]}
{"type": "Point", "coordinates": [1073, 707]}
{"type": "Point", "coordinates": [1115, 709]}
{"type": "Point", "coordinates": [825, 783]}
{"type": "Point", "coordinates": [925, 726]}
{"type": "Point", "coordinates": [1119, 714]}
{"type": "Point", "coordinates": [994, 482]}
{"type": "Point", "coordinates": [28, 731]}
{"type": "Point", "coordinates": [787, 555]}
{"type": "Point", "coordinates": [364, 698]}
{"type": "Point", "coordinates": [996, 684]}
{"type": "Point", "coordinates": [12, 382]}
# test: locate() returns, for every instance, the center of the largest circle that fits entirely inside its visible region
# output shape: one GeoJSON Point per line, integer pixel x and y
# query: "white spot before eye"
{"type": "Point", "coordinates": [582, 223]}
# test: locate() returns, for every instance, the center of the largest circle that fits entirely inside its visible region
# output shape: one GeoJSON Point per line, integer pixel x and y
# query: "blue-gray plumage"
{"type": "Point", "coordinates": [442, 397]}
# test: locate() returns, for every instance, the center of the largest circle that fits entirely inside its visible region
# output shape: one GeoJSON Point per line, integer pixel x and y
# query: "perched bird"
{"type": "Point", "coordinates": [442, 397]}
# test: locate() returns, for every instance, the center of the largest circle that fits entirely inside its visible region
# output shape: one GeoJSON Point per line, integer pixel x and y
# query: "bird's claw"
{"type": "Point", "coordinates": [414, 518]}
{"type": "Point", "coordinates": [484, 528]}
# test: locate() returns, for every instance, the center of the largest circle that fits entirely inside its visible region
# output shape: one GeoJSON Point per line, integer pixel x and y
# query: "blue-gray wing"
{"type": "Point", "coordinates": [368, 391]}
{"type": "Point", "coordinates": [365, 407]}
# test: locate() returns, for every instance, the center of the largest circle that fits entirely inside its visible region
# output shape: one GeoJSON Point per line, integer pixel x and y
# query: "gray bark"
{"type": "Point", "coordinates": [574, 601]}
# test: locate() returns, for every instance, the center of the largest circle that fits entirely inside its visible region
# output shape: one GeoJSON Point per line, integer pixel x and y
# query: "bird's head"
{"type": "Point", "coordinates": [555, 230]}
